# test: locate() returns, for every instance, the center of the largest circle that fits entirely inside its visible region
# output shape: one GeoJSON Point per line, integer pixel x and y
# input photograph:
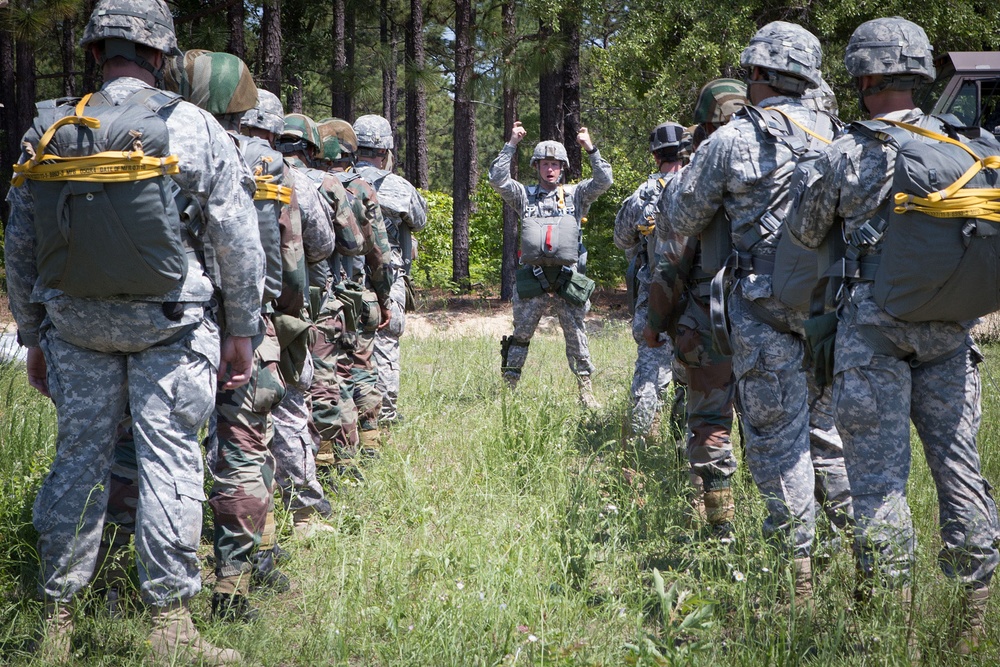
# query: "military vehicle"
{"type": "Point", "coordinates": [968, 86]}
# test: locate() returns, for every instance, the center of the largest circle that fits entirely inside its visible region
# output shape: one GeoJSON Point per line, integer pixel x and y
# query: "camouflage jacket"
{"type": "Point", "coordinates": [365, 202]}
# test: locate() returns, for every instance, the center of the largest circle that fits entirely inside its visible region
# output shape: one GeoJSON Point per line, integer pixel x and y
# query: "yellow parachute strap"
{"type": "Point", "coordinates": [800, 125]}
{"type": "Point", "coordinates": [649, 226]}
{"type": "Point", "coordinates": [103, 167]}
{"type": "Point", "coordinates": [562, 198]}
{"type": "Point", "coordinates": [953, 201]}
{"type": "Point", "coordinates": [272, 191]}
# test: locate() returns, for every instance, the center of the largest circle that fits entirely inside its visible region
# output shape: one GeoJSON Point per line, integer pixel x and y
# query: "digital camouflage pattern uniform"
{"type": "Point", "coordinates": [528, 312]}
{"type": "Point", "coordinates": [876, 395]}
{"type": "Point", "coordinates": [791, 443]}
{"type": "Point", "coordinates": [634, 233]}
{"type": "Point", "coordinates": [106, 355]}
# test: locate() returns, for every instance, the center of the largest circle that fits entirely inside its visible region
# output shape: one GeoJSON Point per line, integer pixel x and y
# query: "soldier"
{"type": "Point", "coordinates": [635, 227]}
{"type": "Point", "coordinates": [889, 371]}
{"type": "Point", "coordinates": [117, 336]}
{"type": "Point", "coordinates": [743, 169]}
{"type": "Point", "coordinates": [405, 212]}
{"type": "Point", "coordinates": [551, 215]}
{"type": "Point", "coordinates": [371, 274]}
{"type": "Point", "coordinates": [679, 300]}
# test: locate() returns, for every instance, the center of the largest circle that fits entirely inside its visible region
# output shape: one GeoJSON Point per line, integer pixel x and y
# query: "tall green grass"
{"type": "Point", "coordinates": [509, 529]}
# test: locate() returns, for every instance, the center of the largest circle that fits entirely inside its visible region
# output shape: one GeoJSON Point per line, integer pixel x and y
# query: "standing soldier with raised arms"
{"type": "Point", "coordinates": [889, 371]}
{"type": "Point", "coordinates": [126, 331]}
{"type": "Point", "coordinates": [551, 215]}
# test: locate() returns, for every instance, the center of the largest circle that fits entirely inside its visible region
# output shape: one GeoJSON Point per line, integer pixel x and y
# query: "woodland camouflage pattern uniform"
{"type": "Point", "coordinates": [738, 170]}
{"type": "Point", "coordinates": [876, 395]}
{"type": "Point", "coordinates": [404, 211]}
{"type": "Point", "coordinates": [528, 312]}
{"type": "Point", "coordinates": [105, 355]}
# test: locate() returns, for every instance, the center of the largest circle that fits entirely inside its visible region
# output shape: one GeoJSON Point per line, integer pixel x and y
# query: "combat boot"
{"type": "Point", "coordinates": [720, 512]}
{"type": "Point", "coordinates": [55, 645]}
{"type": "Point", "coordinates": [371, 443]}
{"type": "Point", "coordinates": [511, 379]}
{"type": "Point", "coordinates": [587, 399]}
{"type": "Point", "coordinates": [229, 600]}
{"type": "Point", "coordinates": [306, 522]}
{"type": "Point", "coordinates": [265, 575]}
{"type": "Point", "coordinates": [973, 615]}
{"type": "Point", "coordinates": [175, 640]}
{"type": "Point", "coordinates": [802, 572]}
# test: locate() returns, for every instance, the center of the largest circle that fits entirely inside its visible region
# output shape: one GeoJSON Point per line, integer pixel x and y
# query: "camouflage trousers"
{"type": "Point", "coordinates": [876, 396]}
{"type": "Point", "coordinates": [528, 312]}
{"type": "Point", "coordinates": [102, 360]}
{"type": "Point", "coordinates": [387, 353]}
{"type": "Point", "coordinates": [364, 375]}
{"type": "Point", "coordinates": [653, 370]}
{"type": "Point", "coordinates": [710, 395]}
{"type": "Point", "coordinates": [294, 459]}
{"type": "Point", "coordinates": [334, 414]}
{"type": "Point", "coordinates": [241, 462]}
{"type": "Point", "coordinates": [792, 447]}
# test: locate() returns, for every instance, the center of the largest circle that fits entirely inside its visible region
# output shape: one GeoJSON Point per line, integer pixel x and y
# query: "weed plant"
{"type": "Point", "coordinates": [513, 528]}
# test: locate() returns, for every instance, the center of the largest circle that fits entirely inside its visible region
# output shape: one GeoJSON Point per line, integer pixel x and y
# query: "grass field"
{"type": "Point", "coordinates": [501, 529]}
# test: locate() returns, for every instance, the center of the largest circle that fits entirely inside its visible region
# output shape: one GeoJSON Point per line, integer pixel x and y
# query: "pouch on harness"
{"type": "Point", "coordinates": [940, 258]}
{"type": "Point", "coordinates": [550, 241]}
{"type": "Point", "coordinates": [106, 223]}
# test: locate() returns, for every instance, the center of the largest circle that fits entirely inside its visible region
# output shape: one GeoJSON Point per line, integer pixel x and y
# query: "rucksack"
{"type": "Point", "coordinates": [553, 240]}
{"type": "Point", "coordinates": [106, 220]}
{"type": "Point", "coordinates": [271, 196]}
{"type": "Point", "coordinates": [940, 230]}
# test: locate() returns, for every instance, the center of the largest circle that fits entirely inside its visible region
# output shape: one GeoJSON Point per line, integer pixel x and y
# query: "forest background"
{"type": "Point", "coordinates": [452, 76]}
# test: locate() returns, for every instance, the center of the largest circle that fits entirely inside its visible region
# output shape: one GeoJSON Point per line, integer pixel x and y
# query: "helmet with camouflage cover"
{"type": "Point", "coordinates": [670, 140]}
{"type": "Point", "coordinates": [302, 127]}
{"type": "Point", "coordinates": [719, 100]}
{"type": "Point", "coordinates": [550, 150]}
{"type": "Point", "coordinates": [373, 132]}
{"type": "Point", "coordinates": [268, 114]}
{"type": "Point", "coordinates": [821, 98]}
{"type": "Point", "coordinates": [894, 47]}
{"type": "Point", "coordinates": [219, 83]}
{"type": "Point", "coordinates": [342, 130]}
{"type": "Point", "coordinates": [789, 55]}
{"type": "Point", "coordinates": [146, 22]}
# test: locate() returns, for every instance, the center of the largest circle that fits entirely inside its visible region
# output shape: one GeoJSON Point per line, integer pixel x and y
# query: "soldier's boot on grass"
{"type": "Point", "coordinates": [307, 522]}
{"type": "Point", "coordinates": [511, 379]}
{"type": "Point", "coordinates": [972, 632]}
{"type": "Point", "coordinates": [265, 575]}
{"type": "Point", "coordinates": [587, 399]}
{"type": "Point", "coordinates": [720, 512]}
{"type": "Point", "coordinates": [55, 641]}
{"type": "Point", "coordinates": [371, 443]}
{"type": "Point", "coordinates": [175, 640]}
{"type": "Point", "coordinates": [803, 583]}
{"type": "Point", "coordinates": [230, 602]}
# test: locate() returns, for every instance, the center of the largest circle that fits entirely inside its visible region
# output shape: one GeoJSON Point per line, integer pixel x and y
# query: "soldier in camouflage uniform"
{"type": "Point", "coordinates": [931, 376]}
{"type": "Point", "coordinates": [635, 227]}
{"type": "Point", "coordinates": [745, 173]}
{"type": "Point", "coordinates": [371, 274]}
{"type": "Point", "coordinates": [550, 198]}
{"type": "Point", "coordinates": [158, 355]}
{"type": "Point", "coordinates": [404, 211]}
{"type": "Point", "coordinates": [680, 298]}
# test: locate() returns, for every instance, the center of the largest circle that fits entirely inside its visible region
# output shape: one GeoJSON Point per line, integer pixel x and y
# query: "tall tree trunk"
{"type": "Point", "coordinates": [236, 18]}
{"type": "Point", "coordinates": [464, 160]}
{"type": "Point", "coordinates": [569, 26]}
{"type": "Point", "coordinates": [25, 72]}
{"type": "Point", "coordinates": [294, 102]}
{"type": "Point", "coordinates": [68, 48]}
{"type": "Point", "coordinates": [387, 41]}
{"type": "Point", "coordinates": [351, 28]}
{"type": "Point", "coordinates": [508, 262]}
{"type": "Point", "coordinates": [341, 98]}
{"type": "Point", "coordinates": [9, 138]}
{"type": "Point", "coordinates": [416, 99]}
{"type": "Point", "coordinates": [550, 101]}
{"type": "Point", "coordinates": [270, 47]}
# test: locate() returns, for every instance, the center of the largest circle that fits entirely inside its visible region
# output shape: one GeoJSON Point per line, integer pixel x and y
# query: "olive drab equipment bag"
{"type": "Point", "coordinates": [553, 240]}
{"type": "Point", "coordinates": [940, 229]}
{"type": "Point", "coordinates": [106, 220]}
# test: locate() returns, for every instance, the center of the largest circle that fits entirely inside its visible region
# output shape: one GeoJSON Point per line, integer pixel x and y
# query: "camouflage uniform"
{"type": "Point", "coordinates": [104, 355]}
{"type": "Point", "coordinates": [527, 312]}
{"type": "Point", "coordinates": [877, 394]}
{"type": "Point", "coordinates": [737, 169]}
{"type": "Point", "coordinates": [652, 374]}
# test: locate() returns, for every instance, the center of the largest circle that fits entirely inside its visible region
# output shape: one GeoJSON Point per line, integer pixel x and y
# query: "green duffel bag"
{"type": "Point", "coordinates": [577, 289]}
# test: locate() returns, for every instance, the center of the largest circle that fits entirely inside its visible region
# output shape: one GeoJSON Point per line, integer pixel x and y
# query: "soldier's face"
{"type": "Point", "coordinates": [549, 171]}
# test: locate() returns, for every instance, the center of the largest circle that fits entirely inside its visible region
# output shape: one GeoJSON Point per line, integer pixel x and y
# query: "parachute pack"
{"type": "Point", "coordinates": [106, 220]}
{"type": "Point", "coordinates": [940, 230]}
{"type": "Point", "coordinates": [549, 241]}
{"type": "Point", "coordinates": [271, 196]}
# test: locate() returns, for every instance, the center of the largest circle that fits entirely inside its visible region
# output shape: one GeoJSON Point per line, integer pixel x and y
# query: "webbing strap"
{"type": "Point", "coordinates": [717, 311]}
{"type": "Point", "coordinates": [800, 126]}
{"type": "Point", "coordinates": [266, 190]}
{"type": "Point", "coordinates": [103, 167]}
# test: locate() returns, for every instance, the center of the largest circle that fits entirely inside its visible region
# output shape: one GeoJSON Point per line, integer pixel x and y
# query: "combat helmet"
{"type": "Point", "coordinates": [789, 54]}
{"type": "Point", "coordinates": [219, 83]}
{"type": "Point", "coordinates": [121, 24]}
{"type": "Point", "coordinates": [821, 98]}
{"type": "Point", "coordinates": [343, 131]}
{"type": "Point", "coordinates": [719, 100]}
{"type": "Point", "coordinates": [373, 132]}
{"type": "Point", "coordinates": [550, 150]}
{"type": "Point", "coordinates": [267, 115]}
{"type": "Point", "coordinates": [894, 47]}
{"type": "Point", "coordinates": [670, 140]}
{"type": "Point", "coordinates": [299, 133]}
